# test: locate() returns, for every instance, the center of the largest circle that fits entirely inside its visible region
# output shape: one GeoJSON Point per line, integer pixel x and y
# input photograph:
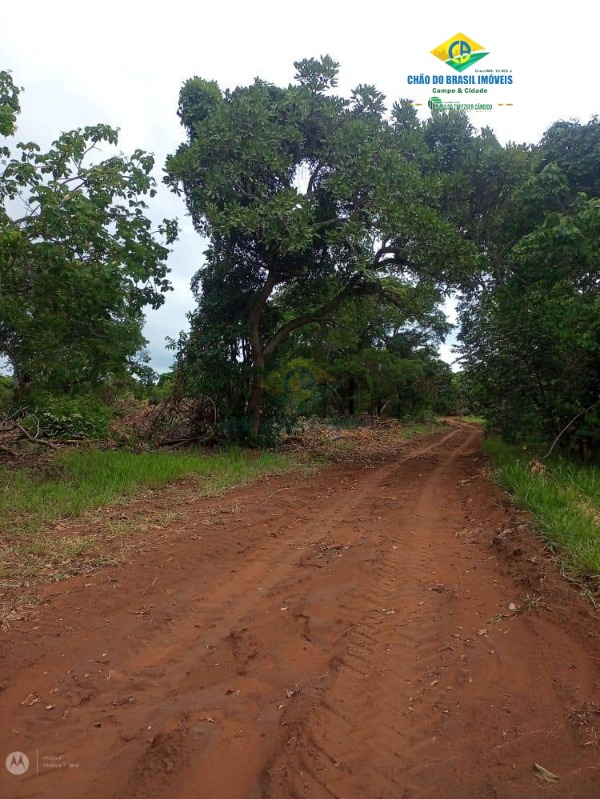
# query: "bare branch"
{"type": "Point", "coordinates": [564, 430]}
{"type": "Point", "coordinates": [33, 439]}
{"type": "Point", "coordinates": [313, 178]}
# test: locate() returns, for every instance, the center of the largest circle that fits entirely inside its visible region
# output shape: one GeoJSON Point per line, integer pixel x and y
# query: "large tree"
{"type": "Point", "coordinates": [78, 257]}
{"type": "Point", "coordinates": [300, 186]}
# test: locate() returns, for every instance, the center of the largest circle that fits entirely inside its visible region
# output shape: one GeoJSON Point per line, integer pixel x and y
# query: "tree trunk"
{"type": "Point", "coordinates": [256, 395]}
{"type": "Point", "coordinates": [22, 385]}
{"type": "Point", "coordinates": [351, 394]}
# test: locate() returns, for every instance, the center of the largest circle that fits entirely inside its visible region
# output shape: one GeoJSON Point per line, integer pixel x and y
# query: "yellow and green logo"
{"type": "Point", "coordinates": [460, 52]}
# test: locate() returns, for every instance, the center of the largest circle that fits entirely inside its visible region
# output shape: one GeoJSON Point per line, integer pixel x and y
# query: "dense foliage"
{"type": "Point", "coordinates": [531, 329]}
{"type": "Point", "coordinates": [336, 228]}
{"type": "Point", "coordinates": [78, 258]}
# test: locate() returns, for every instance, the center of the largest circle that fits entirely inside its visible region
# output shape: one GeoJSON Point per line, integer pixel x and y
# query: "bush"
{"type": "Point", "coordinates": [70, 417]}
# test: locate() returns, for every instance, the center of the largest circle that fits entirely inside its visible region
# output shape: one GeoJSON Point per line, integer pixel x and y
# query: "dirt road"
{"type": "Point", "coordinates": [378, 631]}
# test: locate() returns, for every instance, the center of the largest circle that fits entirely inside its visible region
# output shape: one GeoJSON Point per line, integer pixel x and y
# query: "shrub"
{"type": "Point", "coordinates": [70, 417]}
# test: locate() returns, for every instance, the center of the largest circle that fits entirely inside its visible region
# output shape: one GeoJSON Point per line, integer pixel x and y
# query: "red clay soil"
{"type": "Point", "coordinates": [370, 632]}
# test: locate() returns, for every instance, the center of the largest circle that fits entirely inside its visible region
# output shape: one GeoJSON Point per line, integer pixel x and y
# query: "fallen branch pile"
{"type": "Point", "coordinates": [13, 433]}
{"type": "Point", "coordinates": [173, 423]}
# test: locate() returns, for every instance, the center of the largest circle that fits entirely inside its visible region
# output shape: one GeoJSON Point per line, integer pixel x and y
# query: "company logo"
{"type": "Point", "coordinates": [17, 763]}
{"type": "Point", "coordinates": [437, 104]}
{"type": "Point", "coordinates": [460, 52]}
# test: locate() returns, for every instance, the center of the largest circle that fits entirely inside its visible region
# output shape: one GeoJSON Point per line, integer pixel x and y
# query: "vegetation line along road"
{"type": "Point", "coordinates": [564, 500]}
{"type": "Point", "coordinates": [73, 483]}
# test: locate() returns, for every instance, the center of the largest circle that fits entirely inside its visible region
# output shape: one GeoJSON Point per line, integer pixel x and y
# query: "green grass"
{"type": "Point", "coordinates": [76, 482]}
{"type": "Point", "coordinates": [86, 480]}
{"type": "Point", "coordinates": [411, 430]}
{"type": "Point", "coordinates": [564, 501]}
{"type": "Point", "coordinates": [472, 419]}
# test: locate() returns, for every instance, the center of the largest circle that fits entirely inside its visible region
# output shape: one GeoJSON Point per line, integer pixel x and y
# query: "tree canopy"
{"type": "Point", "coordinates": [335, 227]}
{"type": "Point", "coordinates": [79, 260]}
{"type": "Point", "coordinates": [308, 200]}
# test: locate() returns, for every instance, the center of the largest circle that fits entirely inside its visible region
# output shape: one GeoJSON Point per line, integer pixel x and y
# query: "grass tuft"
{"type": "Point", "coordinates": [564, 501]}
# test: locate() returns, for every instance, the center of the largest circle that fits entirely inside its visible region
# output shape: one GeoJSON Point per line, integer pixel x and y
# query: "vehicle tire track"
{"type": "Point", "coordinates": [371, 735]}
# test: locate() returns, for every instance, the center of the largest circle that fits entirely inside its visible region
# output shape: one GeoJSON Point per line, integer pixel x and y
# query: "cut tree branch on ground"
{"type": "Point", "coordinates": [13, 432]}
{"type": "Point", "coordinates": [26, 435]}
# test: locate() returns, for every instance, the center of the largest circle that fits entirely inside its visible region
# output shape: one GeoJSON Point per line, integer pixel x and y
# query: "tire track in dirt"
{"type": "Point", "coordinates": [317, 637]}
{"type": "Point", "coordinates": [312, 603]}
{"type": "Point", "coordinates": [368, 737]}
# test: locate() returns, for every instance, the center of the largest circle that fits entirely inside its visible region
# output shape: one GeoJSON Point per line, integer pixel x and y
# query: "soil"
{"type": "Point", "coordinates": [375, 631]}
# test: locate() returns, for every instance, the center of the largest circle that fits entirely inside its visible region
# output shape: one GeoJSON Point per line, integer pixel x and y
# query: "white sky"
{"type": "Point", "coordinates": [123, 63]}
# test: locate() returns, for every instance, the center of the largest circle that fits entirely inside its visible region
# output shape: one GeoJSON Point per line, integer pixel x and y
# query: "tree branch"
{"type": "Point", "coordinates": [395, 299]}
{"type": "Point", "coordinates": [564, 430]}
{"type": "Point", "coordinates": [33, 439]}
{"type": "Point", "coordinates": [356, 287]}
{"type": "Point", "coordinates": [258, 309]}
{"type": "Point", "coordinates": [313, 177]}
{"type": "Point", "coordinates": [385, 251]}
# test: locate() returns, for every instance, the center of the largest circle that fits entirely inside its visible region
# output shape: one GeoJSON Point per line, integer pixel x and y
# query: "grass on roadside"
{"type": "Point", "coordinates": [31, 501]}
{"type": "Point", "coordinates": [564, 501]}
{"type": "Point", "coordinates": [413, 429]}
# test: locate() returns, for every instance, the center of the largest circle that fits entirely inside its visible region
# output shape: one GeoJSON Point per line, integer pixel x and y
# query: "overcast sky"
{"type": "Point", "coordinates": [122, 63]}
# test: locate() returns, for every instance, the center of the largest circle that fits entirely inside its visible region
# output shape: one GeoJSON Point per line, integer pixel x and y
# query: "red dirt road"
{"type": "Point", "coordinates": [344, 635]}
